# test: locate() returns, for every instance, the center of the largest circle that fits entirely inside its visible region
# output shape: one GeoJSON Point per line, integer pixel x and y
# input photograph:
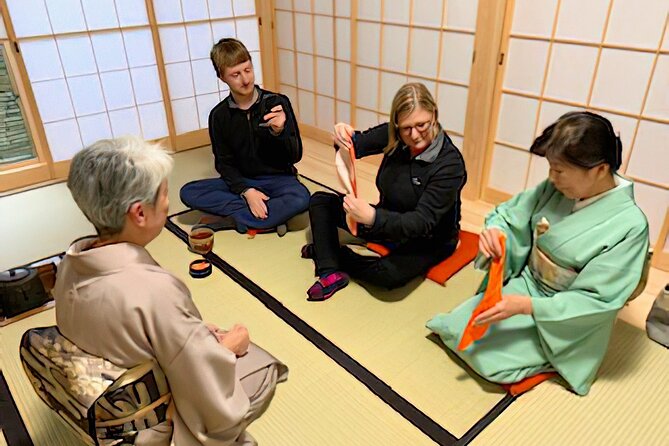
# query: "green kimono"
{"type": "Point", "coordinates": [578, 273]}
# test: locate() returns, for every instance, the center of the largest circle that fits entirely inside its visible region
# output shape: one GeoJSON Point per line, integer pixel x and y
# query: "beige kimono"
{"type": "Point", "coordinates": [116, 302]}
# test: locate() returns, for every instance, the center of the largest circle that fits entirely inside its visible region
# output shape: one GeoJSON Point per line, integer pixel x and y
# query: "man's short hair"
{"type": "Point", "coordinates": [226, 53]}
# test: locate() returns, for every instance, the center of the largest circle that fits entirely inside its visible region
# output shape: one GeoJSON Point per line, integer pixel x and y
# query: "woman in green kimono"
{"type": "Point", "coordinates": [575, 251]}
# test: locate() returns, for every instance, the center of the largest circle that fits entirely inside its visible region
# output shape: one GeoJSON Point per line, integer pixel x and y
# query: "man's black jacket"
{"type": "Point", "coordinates": [242, 149]}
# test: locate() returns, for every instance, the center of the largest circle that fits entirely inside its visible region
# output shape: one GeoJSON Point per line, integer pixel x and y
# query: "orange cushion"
{"type": "Point", "coordinates": [464, 253]}
{"type": "Point", "coordinates": [529, 383]}
{"type": "Point", "coordinates": [441, 272]}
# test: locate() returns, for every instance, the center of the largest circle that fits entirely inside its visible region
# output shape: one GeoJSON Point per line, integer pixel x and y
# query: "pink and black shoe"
{"type": "Point", "coordinates": [326, 286]}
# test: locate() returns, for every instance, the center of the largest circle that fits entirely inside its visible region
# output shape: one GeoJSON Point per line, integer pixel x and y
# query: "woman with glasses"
{"type": "Point", "coordinates": [418, 214]}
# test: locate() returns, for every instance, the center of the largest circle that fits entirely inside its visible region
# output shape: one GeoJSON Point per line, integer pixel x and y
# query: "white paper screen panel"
{"type": "Point", "coordinates": [100, 14]}
{"type": "Point", "coordinates": [653, 201]}
{"type": "Point", "coordinates": [29, 17]}
{"type": "Point", "coordinates": [456, 57]}
{"type": "Point", "coordinates": [395, 47]}
{"type": "Point", "coordinates": [605, 56]}
{"type": "Point", "coordinates": [424, 53]}
{"type": "Point", "coordinates": [66, 16]}
{"type": "Point", "coordinates": [398, 12]}
{"type": "Point", "coordinates": [657, 103]}
{"type": "Point", "coordinates": [302, 5]}
{"type": "Point", "coordinates": [637, 24]}
{"type": "Point", "coordinates": [582, 21]}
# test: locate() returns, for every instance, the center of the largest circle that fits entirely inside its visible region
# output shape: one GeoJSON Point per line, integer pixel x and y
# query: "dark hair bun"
{"type": "Point", "coordinates": [581, 138]}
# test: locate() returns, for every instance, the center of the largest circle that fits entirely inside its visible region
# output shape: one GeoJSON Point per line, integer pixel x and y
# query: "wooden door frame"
{"type": "Point", "coordinates": [493, 24]}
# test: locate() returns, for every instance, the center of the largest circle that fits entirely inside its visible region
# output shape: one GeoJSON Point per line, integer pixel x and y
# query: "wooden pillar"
{"type": "Point", "coordinates": [492, 24]}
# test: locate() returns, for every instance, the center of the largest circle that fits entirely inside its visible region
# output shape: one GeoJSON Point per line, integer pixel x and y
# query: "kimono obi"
{"type": "Point", "coordinates": [550, 276]}
{"type": "Point", "coordinates": [103, 403]}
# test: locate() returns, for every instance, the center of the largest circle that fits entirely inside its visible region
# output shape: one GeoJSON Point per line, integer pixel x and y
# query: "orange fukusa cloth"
{"type": "Point", "coordinates": [492, 295]}
{"type": "Point", "coordinates": [350, 222]}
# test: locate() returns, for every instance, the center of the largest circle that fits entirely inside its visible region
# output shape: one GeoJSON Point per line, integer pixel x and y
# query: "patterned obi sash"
{"type": "Point", "coordinates": [103, 403]}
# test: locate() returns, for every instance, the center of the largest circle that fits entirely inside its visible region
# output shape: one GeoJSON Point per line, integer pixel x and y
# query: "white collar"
{"type": "Point", "coordinates": [620, 183]}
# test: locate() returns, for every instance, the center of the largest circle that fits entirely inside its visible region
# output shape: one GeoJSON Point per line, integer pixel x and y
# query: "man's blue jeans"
{"type": "Point", "coordinates": [287, 198]}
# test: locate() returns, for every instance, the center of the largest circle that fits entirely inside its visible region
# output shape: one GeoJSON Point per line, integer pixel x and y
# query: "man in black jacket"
{"type": "Point", "coordinates": [256, 142]}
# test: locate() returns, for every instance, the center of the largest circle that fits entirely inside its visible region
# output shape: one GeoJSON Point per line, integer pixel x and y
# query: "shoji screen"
{"type": "Point", "coordinates": [428, 41]}
{"type": "Point", "coordinates": [344, 60]}
{"type": "Point", "coordinates": [188, 29]}
{"type": "Point", "coordinates": [92, 68]}
{"type": "Point", "coordinates": [314, 58]}
{"type": "Point", "coordinates": [608, 56]}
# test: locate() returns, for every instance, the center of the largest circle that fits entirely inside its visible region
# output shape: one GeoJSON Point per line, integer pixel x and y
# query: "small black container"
{"type": "Point", "coordinates": [199, 269]}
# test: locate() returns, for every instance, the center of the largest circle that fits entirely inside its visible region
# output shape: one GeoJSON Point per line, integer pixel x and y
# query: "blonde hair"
{"type": "Point", "coordinates": [408, 98]}
{"type": "Point", "coordinates": [111, 174]}
{"type": "Point", "coordinates": [226, 53]}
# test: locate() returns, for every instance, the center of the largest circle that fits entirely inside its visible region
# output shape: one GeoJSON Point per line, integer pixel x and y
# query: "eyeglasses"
{"type": "Point", "coordinates": [421, 128]}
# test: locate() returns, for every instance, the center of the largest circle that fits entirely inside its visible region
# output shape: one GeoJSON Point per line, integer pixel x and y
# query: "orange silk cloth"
{"type": "Point", "coordinates": [350, 222]}
{"type": "Point", "coordinates": [492, 295]}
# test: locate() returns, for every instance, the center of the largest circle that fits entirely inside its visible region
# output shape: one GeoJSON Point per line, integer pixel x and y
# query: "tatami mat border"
{"type": "Point", "coordinates": [377, 386]}
{"type": "Point", "coordinates": [11, 423]}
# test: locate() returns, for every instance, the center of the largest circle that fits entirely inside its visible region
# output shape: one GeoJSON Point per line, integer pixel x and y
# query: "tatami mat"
{"type": "Point", "coordinates": [319, 404]}
{"type": "Point", "coordinates": [382, 330]}
{"type": "Point", "coordinates": [627, 405]}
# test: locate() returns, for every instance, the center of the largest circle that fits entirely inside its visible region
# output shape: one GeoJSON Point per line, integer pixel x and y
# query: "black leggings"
{"type": "Point", "coordinates": [392, 271]}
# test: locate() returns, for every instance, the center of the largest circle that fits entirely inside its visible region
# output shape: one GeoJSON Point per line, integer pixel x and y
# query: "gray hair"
{"type": "Point", "coordinates": [107, 177]}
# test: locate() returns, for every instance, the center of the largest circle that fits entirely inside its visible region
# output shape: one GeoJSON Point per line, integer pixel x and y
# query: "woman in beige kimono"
{"type": "Point", "coordinates": [114, 301]}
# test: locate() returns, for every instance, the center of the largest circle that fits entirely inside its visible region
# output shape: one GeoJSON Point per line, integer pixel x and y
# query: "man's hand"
{"type": "Point", "coordinates": [256, 201]}
{"type": "Point", "coordinates": [509, 306]}
{"type": "Point", "coordinates": [343, 134]}
{"type": "Point", "coordinates": [236, 340]}
{"type": "Point", "coordinates": [489, 243]}
{"type": "Point", "coordinates": [360, 210]}
{"type": "Point", "coordinates": [276, 118]}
